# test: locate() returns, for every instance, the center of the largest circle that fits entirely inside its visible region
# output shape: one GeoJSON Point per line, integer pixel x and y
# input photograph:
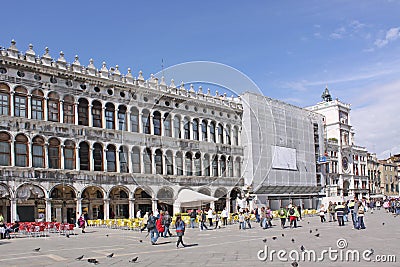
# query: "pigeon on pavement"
{"type": "Point", "coordinates": [36, 249]}
{"type": "Point", "coordinates": [134, 259]}
{"type": "Point", "coordinates": [79, 258]}
{"type": "Point", "coordinates": [110, 256]}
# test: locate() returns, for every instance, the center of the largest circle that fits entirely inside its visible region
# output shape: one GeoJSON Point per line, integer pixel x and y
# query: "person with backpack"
{"type": "Point", "coordinates": [282, 213]}
{"type": "Point", "coordinates": [180, 230]}
{"type": "Point", "coordinates": [293, 215]}
{"type": "Point", "coordinates": [151, 226]}
{"type": "Point", "coordinates": [193, 216]}
{"type": "Point", "coordinates": [166, 223]}
{"type": "Point", "coordinates": [360, 216]}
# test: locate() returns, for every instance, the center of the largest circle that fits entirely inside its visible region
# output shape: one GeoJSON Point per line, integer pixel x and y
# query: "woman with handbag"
{"type": "Point", "coordinates": [180, 230]}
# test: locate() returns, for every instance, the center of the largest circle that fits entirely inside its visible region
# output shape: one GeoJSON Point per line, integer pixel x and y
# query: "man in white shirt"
{"type": "Point", "coordinates": [224, 216]}
{"type": "Point", "coordinates": [139, 214]}
{"type": "Point", "coordinates": [210, 216]}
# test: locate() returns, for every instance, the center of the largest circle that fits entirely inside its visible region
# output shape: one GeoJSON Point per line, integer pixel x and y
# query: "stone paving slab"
{"type": "Point", "coordinates": [221, 247]}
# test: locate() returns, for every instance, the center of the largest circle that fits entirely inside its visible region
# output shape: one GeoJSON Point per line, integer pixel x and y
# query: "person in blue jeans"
{"type": "Point", "coordinates": [360, 217]}
{"type": "Point", "coordinates": [193, 216]}
{"type": "Point", "coordinates": [151, 226]}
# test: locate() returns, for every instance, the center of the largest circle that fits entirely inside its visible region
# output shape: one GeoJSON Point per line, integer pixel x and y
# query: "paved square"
{"type": "Point", "coordinates": [222, 247]}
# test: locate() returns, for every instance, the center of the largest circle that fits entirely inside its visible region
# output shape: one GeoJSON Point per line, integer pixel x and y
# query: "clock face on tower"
{"type": "Point", "coordinates": [345, 163]}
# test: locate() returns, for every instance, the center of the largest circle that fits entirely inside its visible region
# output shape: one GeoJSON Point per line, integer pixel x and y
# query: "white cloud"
{"type": "Point", "coordinates": [338, 33]}
{"type": "Point", "coordinates": [375, 118]}
{"type": "Point", "coordinates": [391, 35]}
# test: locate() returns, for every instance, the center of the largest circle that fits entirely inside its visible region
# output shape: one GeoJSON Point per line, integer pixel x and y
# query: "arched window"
{"type": "Point", "coordinates": [177, 127]}
{"type": "Point", "coordinates": [38, 152]}
{"type": "Point", "coordinates": [223, 166]}
{"type": "Point", "coordinates": [54, 153]}
{"type": "Point", "coordinates": [215, 166]}
{"type": "Point", "coordinates": [159, 162]}
{"type": "Point", "coordinates": [179, 163]}
{"type": "Point", "coordinates": [195, 129]}
{"type": "Point", "coordinates": [83, 112]}
{"type": "Point", "coordinates": [206, 165]}
{"type": "Point", "coordinates": [169, 163]}
{"type": "Point", "coordinates": [212, 132]}
{"type": "Point", "coordinates": [53, 107]}
{"type": "Point", "coordinates": [197, 164]}
{"type": "Point", "coordinates": [4, 99]}
{"type": "Point", "coordinates": [157, 123]}
{"type": "Point", "coordinates": [167, 125]}
{"type": "Point", "coordinates": [69, 109]}
{"type": "Point", "coordinates": [136, 160]}
{"type": "Point", "coordinates": [5, 149]}
{"type": "Point", "coordinates": [84, 157]}
{"type": "Point", "coordinates": [123, 160]}
{"type": "Point", "coordinates": [20, 102]}
{"type": "Point", "coordinates": [228, 135]}
{"type": "Point", "coordinates": [186, 128]}
{"type": "Point", "coordinates": [98, 157]}
{"type": "Point", "coordinates": [147, 161]}
{"type": "Point", "coordinates": [111, 160]}
{"type": "Point", "coordinates": [69, 155]}
{"type": "Point", "coordinates": [21, 150]}
{"type": "Point", "coordinates": [220, 134]}
{"type": "Point", "coordinates": [134, 120]}
{"type": "Point", "coordinates": [96, 114]}
{"type": "Point", "coordinates": [122, 118]}
{"type": "Point", "coordinates": [188, 164]}
{"type": "Point", "coordinates": [146, 121]}
{"type": "Point", "coordinates": [204, 130]}
{"type": "Point", "coordinates": [230, 167]}
{"type": "Point", "coordinates": [235, 136]}
{"type": "Point", "coordinates": [110, 109]}
{"type": "Point", "coordinates": [37, 104]}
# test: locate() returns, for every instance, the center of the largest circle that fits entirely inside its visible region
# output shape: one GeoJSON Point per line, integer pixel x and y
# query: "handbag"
{"type": "Point", "coordinates": [179, 233]}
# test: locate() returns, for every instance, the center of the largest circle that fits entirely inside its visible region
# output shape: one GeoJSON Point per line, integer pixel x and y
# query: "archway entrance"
{"type": "Point", "coordinates": [93, 202]}
{"type": "Point", "coordinates": [142, 200]}
{"type": "Point", "coordinates": [235, 196]}
{"type": "Point", "coordinates": [31, 205]}
{"type": "Point", "coordinates": [165, 198]}
{"type": "Point", "coordinates": [119, 202]}
{"type": "Point", "coordinates": [221, 194]}
{"type": "Point", "coordinates": [63, 208]}
{"type": "Point", "coordinates": [5, 202]}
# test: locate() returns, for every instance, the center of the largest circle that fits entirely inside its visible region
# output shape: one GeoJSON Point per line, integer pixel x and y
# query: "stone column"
{"type": "Point", "coordinates": [131, 208]}
{"type": "Point", "coordinates": [48, 209]}
{"type": "Point", "coordinates": [172, 120]}
{"type": "Point", "coordinates": [91, 158]}
{"type": "Point", "coordinates": [209, 132]}
{"type": "Point", "coordinates": [151, 124]}
{"type": "Point", "coordinates": [78, 208]}
{"type": "Point", "coordinates": [90, 115]}
{"type": "Point", "coordinates": [162, 124]}
{"type": "Point", "coordinates": [76, 104]}
{"type": "Point", "coordinates": [140, 122]}
{"type": "Point", "coordinates": [228, 204]}
{"type": "Point", "coordinates": [12, 104]}
{"type": "Point", "coordinates": [164, 163]}
{"type": "Point", "coordinates": [13, 209]}
{"type": "Point", "coordinates": [105, 159]}
{"type": "Point", "coordinates": [77, 159]}
{"type": "Point", "coordinates": [174, 172]}
{"type": "Point", "coordinates": [116, 119]}
{"type": "Point", "coordinates": [117, 163]}
{"type": "Point", "coordinates": [45, 109]}
{"type": "Point", "coordinates": [12, 162]}
{"type": "Point", "coordinates": [176, 208]}
{"type": "Point", "coordinates": [153, 162]}
{"type": "Point", "coordinates": [46, 155]}
{"type": "Point", "coordinates": [29, 157]}
{"type": "Point", "coordinates": [129, 160]}
{"type": "Point", "coordinates": [154, 202]}
{"type": "Point", "coordinates": [106, 209]}
{"type": "Point", "coordinates": [103, 117]}
{"type": "Point", "coordinates": [212, 205]}
{"type": "Point", "coordinates": [128, 121]}
{"type": "Point", "coordinates": [61, 113]}
{"type": "Point", "coordinates": [29, 103]}
{"type": "Point", "coordinates": [62, 147]}
{"type": "Point", "coordinates": [141, 160]}
{"type": "Point", "coordinates": [191, 129]}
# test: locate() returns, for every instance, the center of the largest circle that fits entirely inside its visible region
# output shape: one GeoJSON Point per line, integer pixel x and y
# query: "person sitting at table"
{"type": "Point", "coordinates": [12, 229]}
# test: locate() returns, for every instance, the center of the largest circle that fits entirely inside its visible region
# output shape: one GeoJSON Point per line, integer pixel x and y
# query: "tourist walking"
{"type": "Point", "coordinates": [180, 230]}
{"type": "Point", "coordinates": [151, 226]}
{"type": "Point", "coordinates": [268, 216]}
{"type": "Point", "coordinates": [242, 224]}
{"type": "Point", "coordinates": [203, 217]}
{"type": "Point", "coordinates": [166, 223]}
{"type": "Point", "coordinates": [224, 216]}
{"type": "Point", "coordinates": [340, 213]}
{"type": "Point", "coordinates": [82, 223]}
{"type": "Point", "coordinates": [322, 212]}
{"type": "Point", "coordinates": [282, 213]}
{"type": "Point", "coordinates": [210, 216]}
{"type": "Point", "coordinates": [193, 216]}
{"type": "Point", "coordinates": [360, 216]}
{"type": "Point", "coordinates": [217, 221]}
{"type": "Point", "coordinates": [159, 224]}
{"type": "Point", "coordinates": [144, 221]}
{"type": "Point", "coordinates": [293, 215]}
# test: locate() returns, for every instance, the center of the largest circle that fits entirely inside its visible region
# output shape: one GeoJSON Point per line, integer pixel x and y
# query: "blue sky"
{"type": "Point", "coordinates": [290, 49]}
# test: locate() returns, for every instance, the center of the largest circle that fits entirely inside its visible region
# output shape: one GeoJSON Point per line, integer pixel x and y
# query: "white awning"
{"type": "Point", "coordinates": [190, 198]}
{"type": "Point", "coordinates": [377, 196]}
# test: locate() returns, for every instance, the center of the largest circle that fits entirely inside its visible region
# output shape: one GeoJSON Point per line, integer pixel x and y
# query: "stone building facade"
{"type": "Point", "coordinates": [77, 139]}
{"type": "Point", "coordinates": [347, 173]}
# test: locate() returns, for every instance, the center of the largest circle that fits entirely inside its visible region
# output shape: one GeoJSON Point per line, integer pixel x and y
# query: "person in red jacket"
{"type": "Point", "coordinates": [159, 225]}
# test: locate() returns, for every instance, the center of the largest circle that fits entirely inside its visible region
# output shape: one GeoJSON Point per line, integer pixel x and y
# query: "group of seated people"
{"type": "Point", "coordinates": [8, 229]}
